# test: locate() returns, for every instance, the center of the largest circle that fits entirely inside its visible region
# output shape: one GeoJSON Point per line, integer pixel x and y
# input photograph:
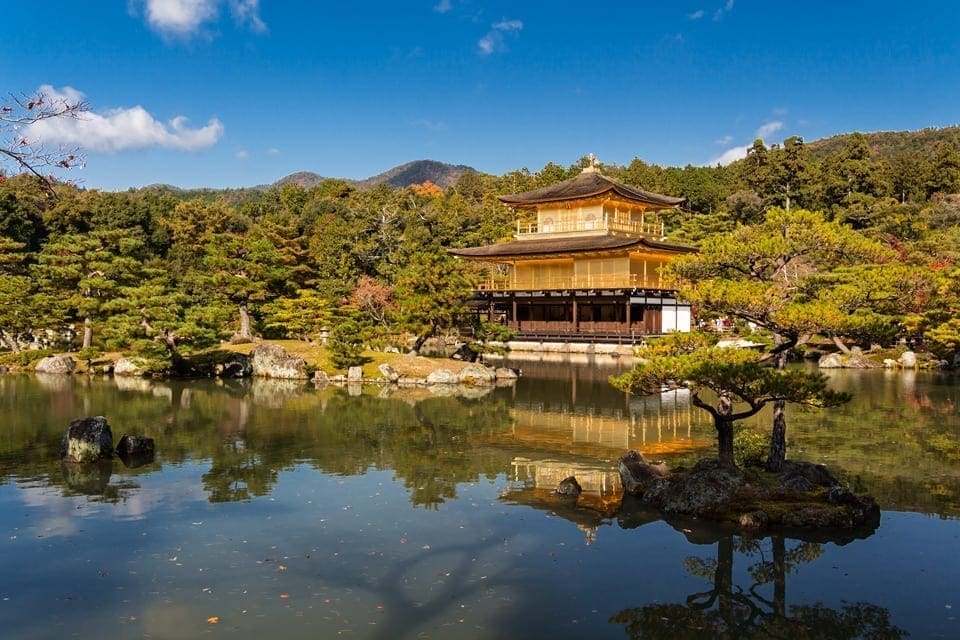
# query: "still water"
{"type": "Point", "coordinates": [275, 509]}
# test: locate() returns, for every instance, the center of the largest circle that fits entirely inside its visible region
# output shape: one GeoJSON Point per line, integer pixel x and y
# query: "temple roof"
{"type": "Point", "coordinates": [548, 246]}
{"type": "Point", "coordinates": [588, 184]}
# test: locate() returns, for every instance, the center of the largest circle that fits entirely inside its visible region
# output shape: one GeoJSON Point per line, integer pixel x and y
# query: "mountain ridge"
{"type": "Point", "coordinates": [439, 173]}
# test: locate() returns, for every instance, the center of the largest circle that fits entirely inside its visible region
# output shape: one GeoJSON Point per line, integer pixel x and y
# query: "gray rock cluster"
{"type": "Point", "coordinates": [805, 495]}
{"type": "Point", "coordinates": [90, 440]}
{"type": "Point", "coordinates": [472, 375]}
{"type": "Point", "coordinates": [273, 361]}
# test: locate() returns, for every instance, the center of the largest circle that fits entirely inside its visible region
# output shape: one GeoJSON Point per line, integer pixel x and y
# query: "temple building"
{"type": "Point", "coordinates": [584, 266]}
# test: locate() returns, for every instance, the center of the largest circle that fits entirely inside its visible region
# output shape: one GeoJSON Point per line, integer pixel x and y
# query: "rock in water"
{"type": "Point", "coordinates": [831, 361]}
{"type": "Point", "coordinates": [63, 365]}
{"type": "Point", "coordinates": [477, 374]}
{"type": "Point", "coordinates": [134, 367]}
{"type": "Point", "coordinates": [134, 446]}
{"type": "Point", "coordinates": [442, 376]}
{"type": "Point", "coordinates": [87, 440]}
{"type": "Point", "coordinates": [637, 475]}
{"type": "Point", "coordinates": [273, 361]}
{"type": "Point", "coordinates": [569, 487]}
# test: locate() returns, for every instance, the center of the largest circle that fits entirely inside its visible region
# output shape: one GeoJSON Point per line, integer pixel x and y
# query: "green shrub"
{"type": "Point", "coordinates": [24, 358]}
{"type": "Point", "coordinates": [750, 446]}
{"type": "Point", "coordinates": [345, 344]}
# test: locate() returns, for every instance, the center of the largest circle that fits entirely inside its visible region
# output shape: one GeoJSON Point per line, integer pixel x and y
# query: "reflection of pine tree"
{"type": "Point", "coordinates": [729, 611]}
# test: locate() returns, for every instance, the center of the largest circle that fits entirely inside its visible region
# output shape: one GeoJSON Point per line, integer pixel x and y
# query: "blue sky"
{"type": "Point", "coordinates": [228, 93]}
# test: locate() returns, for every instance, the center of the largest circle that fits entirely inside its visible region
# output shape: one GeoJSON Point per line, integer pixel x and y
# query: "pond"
{"type": "Point", "coordinates": [278, 509]}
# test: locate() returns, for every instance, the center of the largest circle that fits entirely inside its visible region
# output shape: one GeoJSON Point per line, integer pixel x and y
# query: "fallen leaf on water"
{"type": "Point", "coordinates": [284, 596]}
{"type": "Point", "coordinates": [213, 619]}
{"type": "Point", "coordinates": [281, 568]}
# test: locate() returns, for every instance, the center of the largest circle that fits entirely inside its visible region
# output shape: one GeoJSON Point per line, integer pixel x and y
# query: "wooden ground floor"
{"type": "Point", "coordinates": [616, 315]}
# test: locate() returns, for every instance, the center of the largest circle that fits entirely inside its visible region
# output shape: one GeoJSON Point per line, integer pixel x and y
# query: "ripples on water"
{"type": "Point", "coordinates": [273, 508]}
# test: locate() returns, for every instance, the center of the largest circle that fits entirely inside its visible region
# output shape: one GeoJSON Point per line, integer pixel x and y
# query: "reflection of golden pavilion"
{"type": "Point", "coordinates": [657, 425]}
{"type": "Point", "coordinates": [587, 267]}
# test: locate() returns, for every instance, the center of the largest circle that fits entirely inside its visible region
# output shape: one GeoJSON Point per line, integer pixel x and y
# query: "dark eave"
{"type": "Point", "coordinates": [550, 246]}
{"type": "Point", "coordinates": [589, 184]}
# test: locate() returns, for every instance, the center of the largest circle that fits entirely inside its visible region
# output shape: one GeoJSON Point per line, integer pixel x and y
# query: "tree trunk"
{"type": "Point", "coordinates": [418, 344]}
{"type": "Point", "coordinates": [723, 581]}
{"type": "Point", "coordinates": [723, 422]}
{"type": "Point", "coordinates": [778, 438]}
{"type": "Point", "coordinates": [244, 333]}
{"type": "Point", "coordinates": [87, 333]}
{"type": "Point", "coordinates": [843, 348]}
{"type": "Point", "coordinates": [779, 576]}
{"type": "Point", "coordinates": [778, 435]}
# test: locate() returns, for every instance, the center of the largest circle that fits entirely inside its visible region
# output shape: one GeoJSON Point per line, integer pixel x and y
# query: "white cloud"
{"type": "Point", "coordinates": [443, 6]}
{"type": "Point", "coordinates": [179, 17]}
{"type": "Point", "coordinates": [487, 44]}
{"type": "Point", "coordinates": [508, 25]}
{"type": "Point", "coordinates": [243, 154]}
{"type": "Point", "coordinates": [696, 15]}
{"type": "Point", "coordinates": [247, 12]}
{"type": "Point", "coordinates": [493, 40]}
{"type": "Point", "coordinates": [185, 18]}
{"type": "Point", "coordinates": [768, 129]}
{"type": "Point", "coordinates": [726, 8]}
{"type": "Point", "coordinates": [765, 130]}
{"type": "Point", "coordinates": [117, 130]}
{"type": "Point", "coordinates": [731, 155]}
{"type": "Point", "coordinates": [273, 151]}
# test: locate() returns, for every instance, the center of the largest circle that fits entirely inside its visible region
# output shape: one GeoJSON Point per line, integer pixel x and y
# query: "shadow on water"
{"type": "Point", "coordinates": [755, 606]}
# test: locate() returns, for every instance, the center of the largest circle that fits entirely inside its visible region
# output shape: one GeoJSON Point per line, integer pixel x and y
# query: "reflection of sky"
{"type": "Point", "coordinates": [49, 512]}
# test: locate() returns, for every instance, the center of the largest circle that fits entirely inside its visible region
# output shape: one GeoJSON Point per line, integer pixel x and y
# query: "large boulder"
{"type": "Point", "coordinates": [907, 360]}
{"type": "Point", "coordinates": [569, 488]}
{"type": "Point", "coordinates": [135, 451]}
{"type": "Point", "coordinates": [859, 361]}
{"type": "Point", "coordinates": [61, 365]}
{"type": "Point", "coordinates": [443, 376]}
{"type": "Point", "coordinates": [504, 373]}
{"type": "Point", "coordinates": [805, 476]}
{"type": "Point", "coordinates": [389, 373]}
{"type": "Point", "coordinates": [831, 361]}
{"type": "Point", "coordinates": [87, 440]}
{"type": "Point", "coordinates": [354, 374]}
{"type": "Point", "coordinates": [133, 367]}
{"type": "Point", "coordinates": [638, 476]}
{"type": "Point", "coordinates": [706, 490]}
{"type": "Point", "coordinates": [478, 375]}
{"type": "Point", "coordinates": [135, 445]}
{"type": "Point", "coordinates": [273, 361]}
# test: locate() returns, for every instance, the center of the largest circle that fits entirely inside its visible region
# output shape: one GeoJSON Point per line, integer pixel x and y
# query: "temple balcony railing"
{"type": "Point", "coordinates": [598, 281]}
{"type": "Point", "coordinates": [582, 226]}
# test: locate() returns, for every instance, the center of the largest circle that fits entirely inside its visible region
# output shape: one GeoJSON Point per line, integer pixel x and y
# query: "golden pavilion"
{"type": "Point", "coordinates": [586, 266]}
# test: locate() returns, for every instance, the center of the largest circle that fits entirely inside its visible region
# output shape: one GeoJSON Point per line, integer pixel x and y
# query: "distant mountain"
{"type": "Point", "coordinates": [885, 145]}
{"type": "Point", "coordinates": [416, 172]}
{"type": "Point", "coordinates": [305, 179]}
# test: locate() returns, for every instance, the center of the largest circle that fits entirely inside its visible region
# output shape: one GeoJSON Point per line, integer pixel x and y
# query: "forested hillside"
{"type": "Point", "coordinates": [164, 271]}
